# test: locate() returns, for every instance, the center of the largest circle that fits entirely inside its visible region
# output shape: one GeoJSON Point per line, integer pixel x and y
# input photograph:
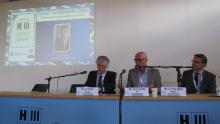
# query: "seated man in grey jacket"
{"type": "Point", "coordinates": [140, 76]}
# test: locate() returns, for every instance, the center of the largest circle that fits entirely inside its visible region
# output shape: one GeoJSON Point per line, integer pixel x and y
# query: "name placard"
{"type": "Point", "coordinates": [87, 91]}
{"type": "Point", "coordinates": [173, 91]}
{"type": "Point", "coordinates": [137, 91]}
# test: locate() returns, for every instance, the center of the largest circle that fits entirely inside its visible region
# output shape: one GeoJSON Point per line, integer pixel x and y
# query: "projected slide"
{"type": "Point", "coordinates": [57, 35]}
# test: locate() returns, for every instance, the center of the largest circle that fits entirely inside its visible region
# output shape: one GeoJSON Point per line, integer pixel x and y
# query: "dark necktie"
{"type": "Point", "coordinates": [100, 83]}
{"type": "Point", "coordinates": [196, 79]}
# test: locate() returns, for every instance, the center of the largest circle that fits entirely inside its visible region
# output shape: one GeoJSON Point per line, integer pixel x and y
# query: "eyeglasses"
{"type": "Point", "coordinates": [139, 59]}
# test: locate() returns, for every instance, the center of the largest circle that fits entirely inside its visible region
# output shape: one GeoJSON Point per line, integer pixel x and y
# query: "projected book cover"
{"type": "Point", "coordinates": [57, 35]}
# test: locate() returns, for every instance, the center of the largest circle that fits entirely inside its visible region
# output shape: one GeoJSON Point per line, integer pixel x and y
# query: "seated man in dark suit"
{"type": "Point", "coordinates": [102, 78]}
{"type": "Point", "coordinates": [198, 80]}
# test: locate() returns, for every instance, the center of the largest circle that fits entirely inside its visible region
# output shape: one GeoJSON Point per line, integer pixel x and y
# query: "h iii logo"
{"type": "Point", "coordinates": [193, 118]}
{"type": "Point", "coordinates": [29, 115]}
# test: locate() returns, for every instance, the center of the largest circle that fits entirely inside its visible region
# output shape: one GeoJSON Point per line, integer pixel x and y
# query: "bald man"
{"type": "Point", "coordinates": [140, 76]}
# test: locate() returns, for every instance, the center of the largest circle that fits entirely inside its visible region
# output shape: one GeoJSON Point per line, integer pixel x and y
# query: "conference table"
{"type": "Point", "coordinates": [191, 109]}
{"type": "Point", "coordinates": [49, 108]}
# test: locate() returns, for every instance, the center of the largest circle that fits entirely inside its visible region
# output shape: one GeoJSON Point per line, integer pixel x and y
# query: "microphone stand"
{"type": "Point", "coordinates": [48, 86]}
{"type": "Point", "coordinates": [50, 78]}
{"type": "Point", "coordinates": [120, 99]}
{"type": "Point", "coordinates": [177, 69]}
{"type": "Point", "coordinates": [178, 76]}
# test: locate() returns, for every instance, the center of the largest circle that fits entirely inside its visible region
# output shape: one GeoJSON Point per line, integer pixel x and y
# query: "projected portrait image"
{"type": "Point", "coordinates": [61, 37]}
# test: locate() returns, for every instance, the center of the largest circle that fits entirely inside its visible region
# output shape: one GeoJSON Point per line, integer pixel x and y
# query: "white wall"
{"type": "Point", "coordinates": [170, 31]}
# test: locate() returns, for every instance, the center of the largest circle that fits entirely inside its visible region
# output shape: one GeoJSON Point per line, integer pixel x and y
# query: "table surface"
{"type": "Point", "coordinates": [108, 96]}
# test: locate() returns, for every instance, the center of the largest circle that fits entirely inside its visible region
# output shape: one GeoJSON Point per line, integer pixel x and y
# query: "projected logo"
{"type": "Point", "coordinates": [23, 25]}
{"type": "Point", "coordinates": [193, 118]}
{"type": "Point", "coordinates": [27, 115]}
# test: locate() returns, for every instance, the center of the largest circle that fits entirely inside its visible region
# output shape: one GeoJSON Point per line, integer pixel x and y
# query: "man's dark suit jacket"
{"type": "Point", "coordinates": [207, 85]}
{"type": "Point", "coordinates": [108, 82]}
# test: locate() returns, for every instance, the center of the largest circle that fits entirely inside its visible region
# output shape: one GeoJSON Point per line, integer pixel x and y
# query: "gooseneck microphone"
{"type": "Point", "coordinates": [172, 66]}
{"type": "Point", "coordinates": [121, 95]}
{"type": "Point", "coordinates": [166, 67]}
{"type": "Point", "coordinates": [123, 71]}
{"type": "Point", "coordinates": [83, 72]}
{"type": "Point", "coordinates": [77, 73]}
{"type": "Point", "coordinates": [57, 77]}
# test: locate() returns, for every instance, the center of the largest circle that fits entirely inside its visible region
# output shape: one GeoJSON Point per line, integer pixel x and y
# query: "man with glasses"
{"type": "Point", "coordinates": [102, 78]}
{"type": "Point", "coordinates": [198, 80]}
{"type": "Point", "coordinates": [141, 76]}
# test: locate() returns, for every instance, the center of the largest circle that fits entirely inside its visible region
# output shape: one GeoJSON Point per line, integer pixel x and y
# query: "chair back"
{"type": "Point", "coordinates": [73, 87]}
{"type": "Point", "coordinates": [40, 87]}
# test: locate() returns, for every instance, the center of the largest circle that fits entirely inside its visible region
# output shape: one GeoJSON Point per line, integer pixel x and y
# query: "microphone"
{"type": "Point", "coordinates": [77, 73]}
{"type": "Point", "coordinates": [83, 72]}
{"type": "Point", "coordinates": [120, 84]}
{"type": "Point", "coordinates": [151, 66]}
{"type": "Point", "coordinates": [140, 67]}
{"type": "Point", "coordinates": [123, 71]}
{"type": "Point", "coordinates": [168, 66]}
{"type": "Point", "coordinates": [180, 66]}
